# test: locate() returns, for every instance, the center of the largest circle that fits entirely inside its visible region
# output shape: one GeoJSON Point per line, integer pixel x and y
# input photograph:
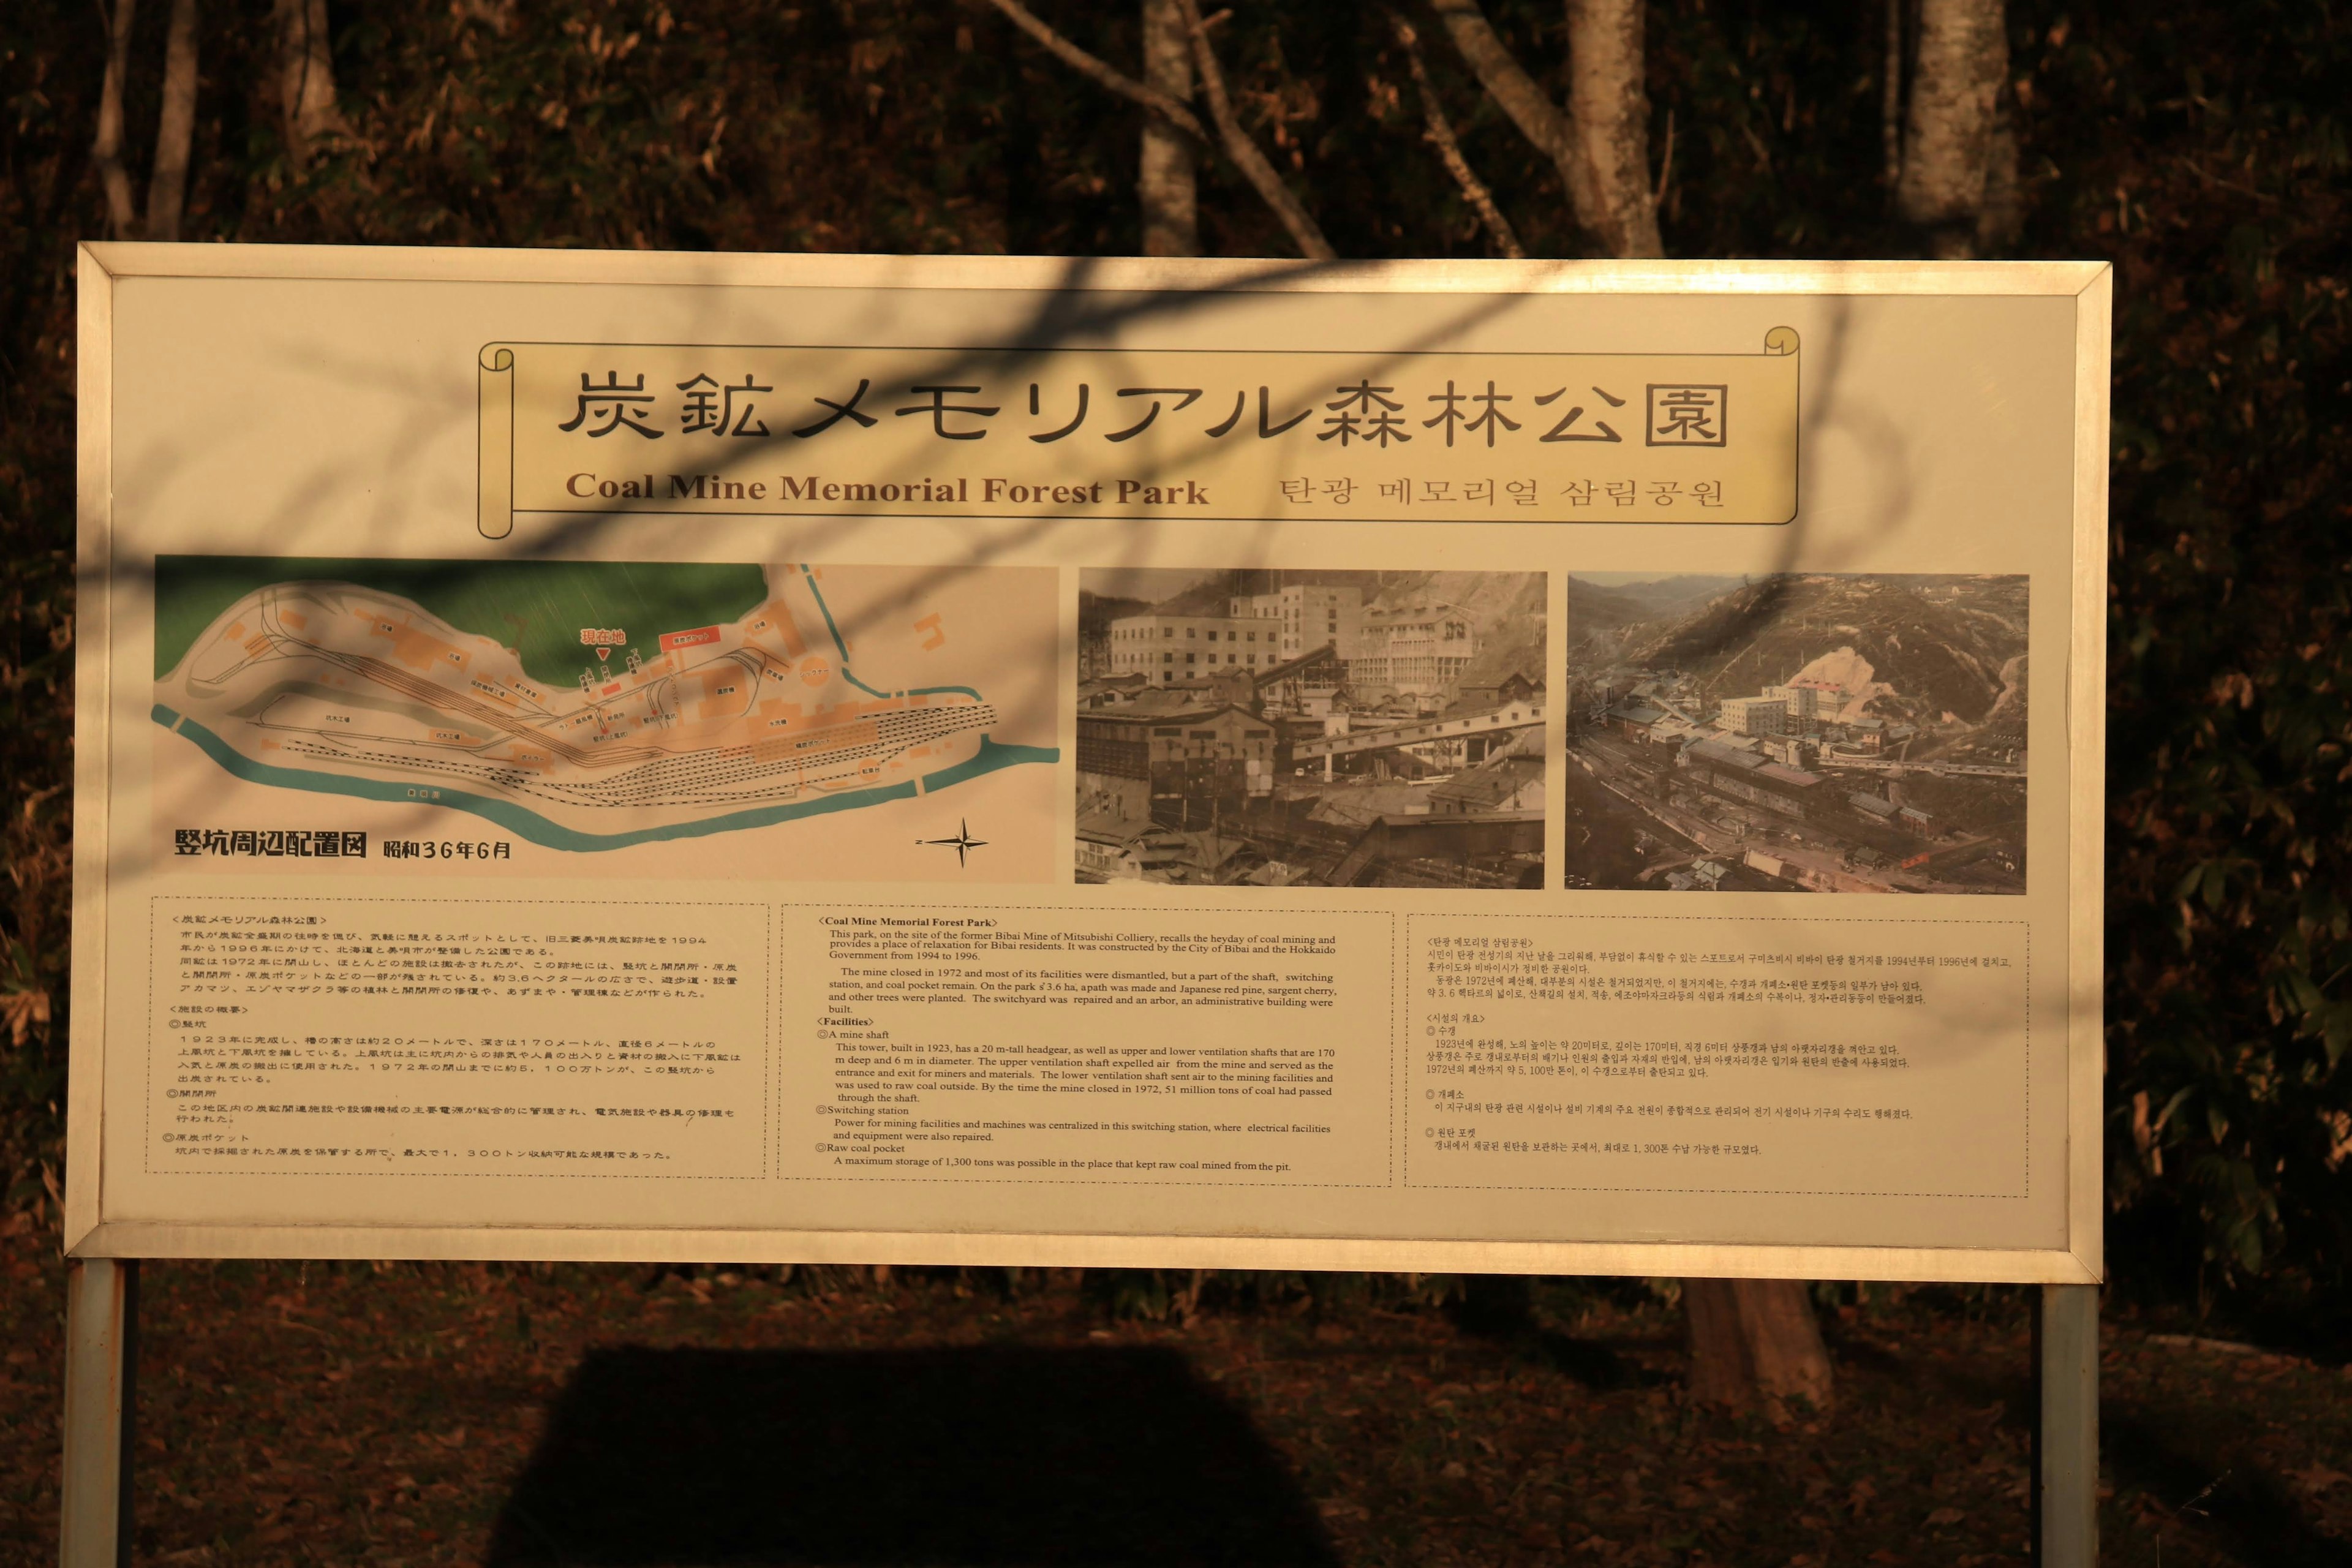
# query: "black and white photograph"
{"type": "Point", "coordinates": [1821, 732]}
{"type": "Point", "coordinates": [1341, 729]}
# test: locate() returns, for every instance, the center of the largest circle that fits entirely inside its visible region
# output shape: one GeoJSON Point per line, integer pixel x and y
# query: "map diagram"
{"type": "Point", "coordinates": [665, 731]}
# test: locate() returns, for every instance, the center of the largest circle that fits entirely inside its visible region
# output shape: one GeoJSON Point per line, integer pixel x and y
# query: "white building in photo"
{"type": "Point", "coordinates": [1416, 651]}
{"type": "Point", "coordinates": [1307, 615]}
{"type": "Point", "coordinates": [1166, 648]}
{"type": "Point", "coordinates": [1754, 716]}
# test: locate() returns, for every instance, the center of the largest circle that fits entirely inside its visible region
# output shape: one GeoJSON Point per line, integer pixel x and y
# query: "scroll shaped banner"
{"type": "Point", "coordinates": [495, 505]}
{"type": "Point", "coordinates": [1283, 436]}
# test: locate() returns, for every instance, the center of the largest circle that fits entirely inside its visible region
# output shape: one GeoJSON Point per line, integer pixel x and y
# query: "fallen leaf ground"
{"type": "Point", "coordinates": [510, 1415]}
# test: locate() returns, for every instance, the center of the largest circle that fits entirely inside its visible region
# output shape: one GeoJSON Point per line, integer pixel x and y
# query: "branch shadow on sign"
{"type": "Point", "coordinates": [951, 1456]}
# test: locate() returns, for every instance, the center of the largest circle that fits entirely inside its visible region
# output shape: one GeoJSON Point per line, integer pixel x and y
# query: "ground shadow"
{"type": "Point", "coordinates": [2236, 1496]}
{"type": "Point", "coordinates": [2200, 1472]}
{"type": "Point", "coordinates": [981, 1455]}
{"type": "Point", "coordinates": [1500, 1308]}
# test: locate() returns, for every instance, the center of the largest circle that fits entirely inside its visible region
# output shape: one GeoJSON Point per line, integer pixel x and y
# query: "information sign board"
{"type": "Point", "coordinates": [1570, 767]}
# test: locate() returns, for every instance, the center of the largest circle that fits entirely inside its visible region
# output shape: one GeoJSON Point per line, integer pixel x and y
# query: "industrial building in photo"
{"type": "Point", "coordinates": [1338, 728]}
{"type": "Point", "coordinates": [1829, 735]}
{"type": "Point", "coordinates": [1417, 649]}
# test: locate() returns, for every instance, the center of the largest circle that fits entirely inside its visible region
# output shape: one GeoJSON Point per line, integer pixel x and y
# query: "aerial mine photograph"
{"type": "Point", "coordinates": [1817, 732]}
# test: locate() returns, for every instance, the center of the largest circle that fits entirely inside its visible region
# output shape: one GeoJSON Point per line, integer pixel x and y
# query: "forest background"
{"type": "Point", "coordinates": [2199, 147]}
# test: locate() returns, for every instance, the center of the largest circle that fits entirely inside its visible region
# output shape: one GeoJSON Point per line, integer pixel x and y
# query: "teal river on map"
{"type": "Point", "coordinates": [529, 825]}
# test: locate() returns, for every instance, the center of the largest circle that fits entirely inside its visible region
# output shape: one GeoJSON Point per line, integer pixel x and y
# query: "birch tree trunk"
{"type": "Point", "coordinates": [1957, 149]}
{"type": "Point", "coordinates": [1609, 119]}
{"type": "Point", "coordinates": [106, 150]}
{"type": "Point", "coordinates": [306, 78]}
{"type": "Point", "coordinates": [1167, 184]}
{"type": "Point", "coordinates": [175, 129]}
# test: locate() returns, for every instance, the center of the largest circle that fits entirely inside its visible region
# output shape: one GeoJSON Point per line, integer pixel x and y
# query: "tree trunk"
{"type": "Point", "coordinates": [1749, 1336]}
{"type": "Point", "coordinates": [1601, 144]}
{"type": "Point", "coordinates": [175, 129]}
{"type": "Point", "coordinates": [1755, 1337]}
{"type": "Point", "coordinates": [1166, 182]}
{"type": "Point", "coordinates": [1956, 149]}
{"type": "Point", "coordinates": [306, 78]}
{"type": "Point", "coordinates": [1608, 118]}
{"type": "Point", "coordinates": [122, 216]}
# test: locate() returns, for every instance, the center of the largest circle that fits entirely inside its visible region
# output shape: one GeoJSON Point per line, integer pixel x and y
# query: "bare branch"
{"type": "Point", "coordinates": [175, 129]}
{"type": "Point", "coordinates": [121, 215]}
{"type": "Point", "coordinates": [1665, 164]}
{"type": "Point", "coordinates": [1087, 65]}
{"type": "Point", "coordinates": [1441, 135]}
{"type": "Point", "coordinates": [1537, 118]}
{"type": "Point", "coordinates": [1165, 183]}
{"type": "Point", "coordinates": [1237, 145]}
{"type": "Point", "coordinates": [1600, 143]}
{"type": "Point", "coordinates": [1303, 232]}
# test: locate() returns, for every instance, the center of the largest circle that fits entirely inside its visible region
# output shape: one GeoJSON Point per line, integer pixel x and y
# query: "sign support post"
{"type": "Point", "coordinates": [101, 1371]}
{"type": "Point", "coordinates": [2066, 1427]}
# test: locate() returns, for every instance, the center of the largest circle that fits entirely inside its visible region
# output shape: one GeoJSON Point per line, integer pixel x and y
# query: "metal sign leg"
{"type": "Point", "coordinates": [2067, 1438]}
{"type": "Point", "coordinates": [101, 1364]}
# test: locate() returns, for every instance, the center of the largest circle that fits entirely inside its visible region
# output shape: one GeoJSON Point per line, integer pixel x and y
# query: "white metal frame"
{"type": "Point", "coordinates": [2080, 1261]}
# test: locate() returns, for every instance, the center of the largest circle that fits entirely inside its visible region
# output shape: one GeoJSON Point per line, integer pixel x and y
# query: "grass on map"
{"type": "Point", "coordinates": [536, 607]}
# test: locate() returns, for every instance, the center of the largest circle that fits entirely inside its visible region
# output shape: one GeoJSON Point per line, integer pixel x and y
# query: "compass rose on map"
{"type": "Point", "coordinates": [963, 842]}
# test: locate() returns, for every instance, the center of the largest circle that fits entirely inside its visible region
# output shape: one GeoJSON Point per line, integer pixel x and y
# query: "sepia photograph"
{"type": "Point", "coordinates": [1816, 733]}
{"type": "Point", "coordinates": [1335, 728]}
